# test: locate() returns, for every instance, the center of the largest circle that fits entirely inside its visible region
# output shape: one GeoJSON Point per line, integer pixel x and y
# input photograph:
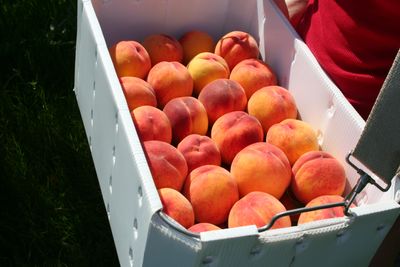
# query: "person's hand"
{"type": "Point", "coordinates": [292, 9]}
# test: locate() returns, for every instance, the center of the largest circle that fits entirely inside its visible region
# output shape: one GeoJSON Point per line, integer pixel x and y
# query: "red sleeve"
{"type": "Point", "coordinates": [355, 42]}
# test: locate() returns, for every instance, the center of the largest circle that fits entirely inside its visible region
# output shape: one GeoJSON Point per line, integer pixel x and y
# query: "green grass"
{"type": "Point", "coordinates": [52, 212]}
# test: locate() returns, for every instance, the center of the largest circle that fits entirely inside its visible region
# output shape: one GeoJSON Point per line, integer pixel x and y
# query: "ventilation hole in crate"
{"type": "Point", "coordinates": [300, 241]}
{"type": "Point", "coordinates": [110, 184]}
{"type": "Point", "coordinates": [207, 260]}
{"type": "Point", "coordinates": [342, 236]}
{"type": "Point", "coordinates": [130, 255]}
{"type": "Point", "coordinates": [135, 229]}
{"type": "Point", "coordinates": [301, 245]}
{"type": "Point", "coordinates": [340, 233]}
{"type": "Point", "coordinates": [255, 251]}
{"type": "Point", "coordinates": [90, 143]}
{"type": "Point", "coordinates": [116, 123]}
{"type": "Point", "coordinates": [380, 227]}
{"type": "Point", "coordinates": [91, 117]}
{"type": "Point", "coordinates": [140, 196]}
{"type": "Point", "coordinates": [113, 155]}
{"type": "Point", "coordinates": [331, 108]}
{"type": "Point", "coordinates": [95, 57]}
{"type": "Point", "coordinates": [108, 211]}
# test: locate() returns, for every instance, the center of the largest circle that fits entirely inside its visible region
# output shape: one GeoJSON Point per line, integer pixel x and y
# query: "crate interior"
{"type": "Point", "coordinates": [134, 20]}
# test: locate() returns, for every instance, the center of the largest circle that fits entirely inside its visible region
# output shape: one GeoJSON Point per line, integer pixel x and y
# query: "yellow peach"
{"type": "Point", "coordinates": [271, 105]}
{"type": "Point", "coordinates": [205, 68]}
{"type": "Point", "coordinates": [294, 137]}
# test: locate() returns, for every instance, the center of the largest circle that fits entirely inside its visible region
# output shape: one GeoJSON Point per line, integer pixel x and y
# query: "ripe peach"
{"type": "Point", "coordinates": [257, 208]}
{"type": "Point", "coordinates": [163, 47]}
{"type": "Point", "coordinates": [272, 104]}
{"type": "Point", "coordinates": [205, 68]}
{"type": "Point", "coordinates": [234, 131]}
{"type": "Point", "coordinates": [170, 80]}
{"type": "Point", "coordinates": [187, 115]}
{"type": "Point", "coordinates": [212, 191]}
{"type": "Point", "coordinates": [199, 150]}
{"type": "Point", "coordinates": [176, 206]}
{"type": "Point", "coordinates": [261, 167]}
{"type": "Point", "coordinates": [203, 227]}
{"type": "Point", "coordinates": [317, 173]}
{"type": "Point", "coordinates": [167, 165]}
{"type": "Point", "coordinates": [130, 58]}
{"type": "Point", "coordinates": [236, 46]}
{"type": "Point", "coordinates": [222, 96]}
{"type": "Point", "coordinates": [195, 42]}
{"type": "Point", "coordinates": [253, 74]}
{"type": "Point", "coordinates": [294, 137]}
{"type": "Point", "coordinates": [322, 213]}
{"type": "Point", "coordinates": [137, 92]}
{"type": "Point", "coordinates": [152, 124]}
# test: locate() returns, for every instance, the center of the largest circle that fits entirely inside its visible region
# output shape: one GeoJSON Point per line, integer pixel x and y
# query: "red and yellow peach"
{"type": "Point", "coordinates": [236, 46]}
{"type": "Point", "coordinates": [317, 173]}
{"type": "Point", "coordinates": [170, 80]}
{"type": "Point", "coordinates": [294, 137]}
{"type": "Point", "coordinates": [257, 208]}
{"type": "Point", "coordinates": [167, 165]}
{"type": "Point", "coordinates": [163, 47]}
{"type": "Point", "coordinates": [176, 206]}
{"type": "Point", "coordinates": [130, 58]}
{"type": "Point", "coordinates": [222, 96]}
{"type": "Point", "coordinates": [261, 167]}
{"type": "Point", "coordinates": [152, 124]}
{"type": "Point", "coordinates": [187, 115]}
{"type": "Point", "coordinates": [212, 191]}
{"type": "Point", "coordinates": [271, 105]}
{"type": "Point", "coordinates": [253, 74]}
{"type": "Point", "coordinates": [205, 68]}
{"type": "Point", "coordinates": [234, 131]}
{"type": "Point", "coordinates": [199, 150]}
{"type": "Point", "coordinates": [137, 92]}
{"type": "Point", "coordinates": [195, 42]}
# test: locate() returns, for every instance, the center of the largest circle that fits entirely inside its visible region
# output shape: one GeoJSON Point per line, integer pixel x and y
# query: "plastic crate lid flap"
{"type": "Point", "coordinates": [379, 145]}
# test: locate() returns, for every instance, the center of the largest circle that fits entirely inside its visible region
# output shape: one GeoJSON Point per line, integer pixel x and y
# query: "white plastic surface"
{"type": "Point", "coordinates": [129, 194]}
{"type": "Point", "coordinates": [141, 237]}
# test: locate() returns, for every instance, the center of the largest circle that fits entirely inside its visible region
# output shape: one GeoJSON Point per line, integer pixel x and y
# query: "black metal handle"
{"type": "Point", "coordinates": [299, 210]}
{"type": "Point", "coordinates": [348, 200]}
{"type": "Point", "coordinates": [362, 182]}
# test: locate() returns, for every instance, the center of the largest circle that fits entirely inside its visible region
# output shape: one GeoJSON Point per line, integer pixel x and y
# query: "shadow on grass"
{"type": "Point", "coordinates": [52, 212]}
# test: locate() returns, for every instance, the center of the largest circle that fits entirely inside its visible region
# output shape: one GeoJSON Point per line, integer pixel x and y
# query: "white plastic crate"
{"type": "Point", "coordinates": [142, 237]}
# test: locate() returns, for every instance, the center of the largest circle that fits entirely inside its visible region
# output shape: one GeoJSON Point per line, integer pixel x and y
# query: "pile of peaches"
{"type": "Point", "coordinates": [224, 142]}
